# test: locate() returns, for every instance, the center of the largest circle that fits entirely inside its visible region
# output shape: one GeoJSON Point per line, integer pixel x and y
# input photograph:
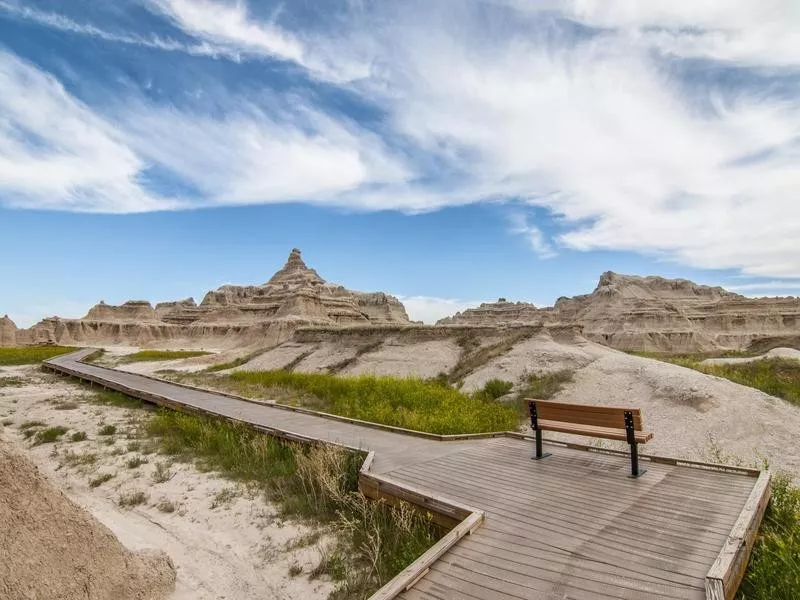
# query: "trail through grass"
{"type": "Point", "coordinates": [29, 355]}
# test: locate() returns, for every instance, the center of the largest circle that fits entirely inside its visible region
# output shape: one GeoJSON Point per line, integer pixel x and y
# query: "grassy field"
{"type": "Point", "coordinates": [375, 542]}
{"type": "Point", "coordinates": [778, 377]}
{"type": "Point", "coordinates": [429, 406]}
{"type": "Point", "coordinates": [156, 355]}
{"type": "Point", "coordinates": [28, 355]}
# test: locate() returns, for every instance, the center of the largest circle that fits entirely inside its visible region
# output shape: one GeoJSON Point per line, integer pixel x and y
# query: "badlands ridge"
{"type": "Point", "coordinates": [623, 312]}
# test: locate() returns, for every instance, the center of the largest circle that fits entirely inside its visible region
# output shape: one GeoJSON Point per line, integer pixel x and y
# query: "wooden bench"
{"type": "Point", "coordinates": [608, 422]}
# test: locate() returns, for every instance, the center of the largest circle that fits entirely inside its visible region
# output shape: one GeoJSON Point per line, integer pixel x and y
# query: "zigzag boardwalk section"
{"type": "Point", "coordinates": [571, 526]}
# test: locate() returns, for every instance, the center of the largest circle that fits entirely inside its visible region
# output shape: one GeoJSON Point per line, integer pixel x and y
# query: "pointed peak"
{"type": "Point", "coordinates": [295, 271]}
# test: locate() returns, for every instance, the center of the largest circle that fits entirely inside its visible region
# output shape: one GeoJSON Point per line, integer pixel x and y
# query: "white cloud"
{"type": "Point", "coordinates": [520, 225]}
{"type": "Point", "coordinates": [56, 153]}
{"type": "Point", "coordinates": [430, 309]}
{"type": "Point", "coordinates": [227, 24]}
{"type": "Point", "coordinates": [779, 286]}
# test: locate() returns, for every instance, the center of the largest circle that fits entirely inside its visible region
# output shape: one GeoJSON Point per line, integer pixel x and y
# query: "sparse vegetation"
{"type": "Point", "coordinates": [474, 355]}
{"type": "Point", "coordinates": [49, 435]}
{"type": "Point", "coordinates": [31, 425]}
{"type": "Point", "coordinates": [162, 473]}
{"type": "Point", "coordinates": [29, 355]}
{"type": "Point", "coordinates": [166, 506]}
{"type": "Point", "coordinates": [318, 483]}
{"type": "Point", "coordinates": [410, 403]}
{"type": "Point", "coordinates": [7, 422]}
{"type": "Point", "coordinates": [78, 436]}
{"type": "Point", "coordinates": [100, 480]}
{"type": "Point", "coordinates": [74, 459]}
{"type": "Point", "coordinates": [136, 462]}
{"type": "Point", "coordinates": [223, 497]}
{"type": "Point", "coordinates": [11, 382]}
{"type": "Point", "coordinates": [131, 499]}
{"type": "Point", "coordinates": [65, 405]}
{"type": "Point", "coordinates": [107, 430]}
{"type": "Point", "coordinates": [778, 377]}
{"type": "Point", "coordinates": [158, 355]}
{"type": "Point", "coordinates": [295, 570]}
{"type": "Point", "coordinates": [233, 363]}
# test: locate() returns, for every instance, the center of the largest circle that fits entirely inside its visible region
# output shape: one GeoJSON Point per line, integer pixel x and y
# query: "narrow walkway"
{"type": "Point", "coordinates": [571, 526]}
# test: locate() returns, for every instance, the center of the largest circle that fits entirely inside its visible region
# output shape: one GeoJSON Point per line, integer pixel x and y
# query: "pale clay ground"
{"type": "Point", "coordinates": [241, 549]}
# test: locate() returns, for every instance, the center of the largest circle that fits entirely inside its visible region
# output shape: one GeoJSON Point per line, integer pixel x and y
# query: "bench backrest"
{"type": "Point", "coordinates": [582, 414]}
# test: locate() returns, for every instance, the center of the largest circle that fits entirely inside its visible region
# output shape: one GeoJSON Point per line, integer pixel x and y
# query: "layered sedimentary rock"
{"type": "Point", "coordinates": [8, 332]}
{"type": "Point", "coordinates": [653, 313]}
{"type": "Point", "coordinates": [232, 315]}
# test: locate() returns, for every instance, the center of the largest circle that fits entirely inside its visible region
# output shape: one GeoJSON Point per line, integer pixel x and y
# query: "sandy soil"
{"type": "Point", "coordinates": [774, 353]}
{"type": "Point", "coordinates": [225, 540]}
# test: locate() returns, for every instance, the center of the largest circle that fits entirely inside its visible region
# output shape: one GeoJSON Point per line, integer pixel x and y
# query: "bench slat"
{"type": "Point", "coordinates": [597, 416]}
{"type": "Point", "coordinates": [608, 433]}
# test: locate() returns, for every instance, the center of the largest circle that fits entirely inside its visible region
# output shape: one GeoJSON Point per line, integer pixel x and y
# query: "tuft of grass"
{"type": "Point", "coordinates": [223, 497]}
{"type": "Point", "coordinates": [158, 355]}
{"type": "Point", "coordinates": [78, 436]}
{"type": "Point", "coordinates": [410, 403]}
{"type": "Point", "coordinates": [136, 462]}
{"type": "Point", "coordinates": [29, 355]}
{"type": "Point", "coordinates": [7, 422]}
{"type": "Point", "coordinates": [65, 405]}
{"type": "Point", "coordinates": [131, 499]}
{"type": "Point", "coordinates": [544, 387]}
{"type": "Point", "coordinates": [773, 572]}
{"type": "Point", "coordinates": [101, 479]}
{"type": "Point", "coordinates": [49, 435]}
{"type": "Point", "coordinates": [31, 425]}
{"type": "Point", "coordinates": [494, 389]}
{"type": "Point", "coordinates": [73, 459]}
{"type": "Point", "coordinates": [162, 473]}
{"type": "Point", "coordinates": [107, 430]}
{"type": "Point", "coordinates": [295, 570]}
{"type": "Point", "coordinates": [11, 382]}
{"type": "Point", "coordinates": [166, 506]}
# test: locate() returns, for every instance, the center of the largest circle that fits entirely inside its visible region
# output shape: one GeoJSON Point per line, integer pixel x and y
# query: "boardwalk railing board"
{"type": "Point", "coordinates": [726, 573]}
{"type": "Point", "coordinates": [721, 580]}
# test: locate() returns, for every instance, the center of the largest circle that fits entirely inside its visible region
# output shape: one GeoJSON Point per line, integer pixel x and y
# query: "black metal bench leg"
{"type": "Point", "coordinates": [635, 471]}
{"type": "Point", "coordinates": [539, 453]}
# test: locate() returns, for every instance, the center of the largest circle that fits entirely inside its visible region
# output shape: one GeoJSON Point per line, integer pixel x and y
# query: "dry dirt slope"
{"type": "Point", "coordinates": [51, 548]}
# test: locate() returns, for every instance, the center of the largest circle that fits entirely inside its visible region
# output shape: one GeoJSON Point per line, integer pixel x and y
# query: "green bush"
{"type": "Point", "coordinates": [494, 389]}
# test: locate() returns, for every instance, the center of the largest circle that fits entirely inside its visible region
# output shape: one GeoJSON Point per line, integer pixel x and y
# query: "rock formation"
{"type": "Point", "coordinates": [232, 315]}
{"type": "Point", "coordinates": [8, 332]}
{"type": "Point", "coordinates": [652, 313]}
{"type": "Point", "coordinates": [52, 548]}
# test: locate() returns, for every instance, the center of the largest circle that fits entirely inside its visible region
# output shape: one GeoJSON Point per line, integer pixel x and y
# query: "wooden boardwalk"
{"type": "Point", "coordinates": [569, 526]}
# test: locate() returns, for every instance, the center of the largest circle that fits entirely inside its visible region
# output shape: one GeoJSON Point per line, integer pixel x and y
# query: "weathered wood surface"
{"type": "Point", "coordinates": [570, 526]}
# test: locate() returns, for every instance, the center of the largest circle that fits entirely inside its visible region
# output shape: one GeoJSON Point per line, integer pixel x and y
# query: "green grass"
{"type": "Point", "coordinates": [31, 424]}
{"type": "Point", "coordinates": [774, 569]}
{"type": "Point", "coordinates": [318, 483]}
{"type": "Point", "coordinates": [409, 403]}
{"type": "Point", "coordinates": [157, 355]}
{"type": "Point", "coordinates": [29, 355]}
{"type": "Point", "coordinates": [494, 389]}
{"type": "Point", "coordinates": [78, 436]}
{"type": "Point", "coordinates": [136, 462]}
{"type": "Point", "coordinates": [544, 387]}
{"type": "Point", "coordinates": [49, 435]}
{"type": "Point", "coordinates": [112, 398]}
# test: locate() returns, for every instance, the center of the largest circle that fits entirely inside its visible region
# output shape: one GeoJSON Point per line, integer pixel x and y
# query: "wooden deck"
{"type": "Point", "coordinates": [569, 526]}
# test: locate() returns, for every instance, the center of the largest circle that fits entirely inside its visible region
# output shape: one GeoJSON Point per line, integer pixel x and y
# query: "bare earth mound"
{"type": "Point", "coordinates": [51, 548]}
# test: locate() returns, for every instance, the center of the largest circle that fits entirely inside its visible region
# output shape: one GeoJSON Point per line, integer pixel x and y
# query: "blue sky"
{"type": "Point", "coordinates": [448, 152]}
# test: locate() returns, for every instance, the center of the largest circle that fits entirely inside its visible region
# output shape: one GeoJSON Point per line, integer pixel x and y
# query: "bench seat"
{"type": "Point", "coordinates": [609, 433]}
